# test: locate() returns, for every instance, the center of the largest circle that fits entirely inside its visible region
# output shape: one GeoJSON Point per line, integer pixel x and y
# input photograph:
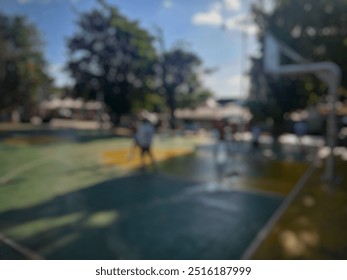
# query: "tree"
{"type": "Point", "coordinates": [315, 29]}
{"type": "Point", "coordinates": [113, 57]}
{"type": "Point", "coordinates": [193, 99]}
{"type": "Point", "coordinates": [180, 80]}
{"type": "Point", "coordinates": [22, 65]}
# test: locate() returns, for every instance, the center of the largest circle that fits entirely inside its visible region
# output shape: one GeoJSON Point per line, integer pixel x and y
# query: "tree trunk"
{"type": "Point", "coordinates": [171, 103]}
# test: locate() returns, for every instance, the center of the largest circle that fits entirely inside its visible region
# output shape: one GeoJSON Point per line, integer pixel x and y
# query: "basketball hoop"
{"type": "Point", "coordinates": [328, 72]}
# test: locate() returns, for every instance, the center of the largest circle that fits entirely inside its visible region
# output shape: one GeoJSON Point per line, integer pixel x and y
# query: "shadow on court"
{"type": "Point", "coordinates": [145, 216]}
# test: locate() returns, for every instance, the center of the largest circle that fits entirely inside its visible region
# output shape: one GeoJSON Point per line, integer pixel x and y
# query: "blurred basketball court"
{"type": "Point", "coordinates": [90, 200]}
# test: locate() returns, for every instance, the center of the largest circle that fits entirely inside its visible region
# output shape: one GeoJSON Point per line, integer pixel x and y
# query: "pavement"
{"type": "Point", "coordinates": [195, 204]}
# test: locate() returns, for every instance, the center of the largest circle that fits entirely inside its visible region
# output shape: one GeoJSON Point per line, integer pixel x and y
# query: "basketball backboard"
{"type": "Point", "coordinates": [328, 72]}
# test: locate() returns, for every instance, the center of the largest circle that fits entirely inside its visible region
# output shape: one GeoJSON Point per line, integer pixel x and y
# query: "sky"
{"type": "Point", "coordinates": [220, 32]}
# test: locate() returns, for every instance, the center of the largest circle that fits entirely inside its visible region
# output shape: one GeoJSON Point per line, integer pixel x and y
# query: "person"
{"type": "Point", "coordinates": [133, 129]}
{"type": "Point", "coordinates": [222, 146]}
{"type": "Point", "coordinates": [233, 128]}
{"type": "Point", "coordinates": [256, 131]}
{"type": "Point", "coordinates": [144, 137]}
{"type": "Point", "coordinates": [300, 129]}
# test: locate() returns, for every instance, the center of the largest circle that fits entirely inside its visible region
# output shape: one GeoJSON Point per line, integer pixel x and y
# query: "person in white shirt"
{"type": "Point", "coordinates": [144, 136]}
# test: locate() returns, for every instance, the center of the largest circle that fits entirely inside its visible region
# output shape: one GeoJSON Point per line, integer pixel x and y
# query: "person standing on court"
{"type": "Point", "coordinates": [144, 136]}
{"type": "Point", "coordinates": [300, 129]}
{"type": "Point", "coordinates": [256, 131]}
{"type": "Point", "coordinates": [133, 128]}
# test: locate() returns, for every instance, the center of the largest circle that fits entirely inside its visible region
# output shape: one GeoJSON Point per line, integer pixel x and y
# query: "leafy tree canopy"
{"type": "Point", "coordinates": [22, 64]}
{"type": "Point", "coordinates": [180, 81]}
{"type": "Point", "coordinates": [113, 56]}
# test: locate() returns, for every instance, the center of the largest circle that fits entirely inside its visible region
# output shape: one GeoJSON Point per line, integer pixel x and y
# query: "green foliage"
{"type": "Point", "coordinates": [111, 55]}
{"type": "Point", "coordinates": [180, 80]}
{"type": "Point", "coordinates": [22, 65]}
{"type": "Point", "coordinates": [193, 99]}
{"type": "Point", "coordinates": [152, 102]}
{"type": "Point", "coordinates": [317, 31]}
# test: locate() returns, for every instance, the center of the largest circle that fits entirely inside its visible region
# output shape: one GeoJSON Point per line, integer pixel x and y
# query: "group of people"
{"type": "Point", "coordinates": [143, 135]}
{"type": "Point", "coordinates": [226, 133]}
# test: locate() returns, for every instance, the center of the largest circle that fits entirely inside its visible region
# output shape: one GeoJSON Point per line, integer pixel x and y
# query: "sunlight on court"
{"type": "Point", "coordinates": [102, 218]}
{"type": "Point", "coordinates": [39, 226]}
{"type": "Point", "coordinates": [131, 159]}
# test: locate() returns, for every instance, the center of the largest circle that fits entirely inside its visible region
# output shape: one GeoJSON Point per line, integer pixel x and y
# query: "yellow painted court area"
{"type": "Point", "coordinates": [279, 178]}
{"type": "Point", "coordinates": [131, 158]}
{"type": "Point", "coordinates": [314, 226]}
{"type": "Point", "coordinates": [265, 184]}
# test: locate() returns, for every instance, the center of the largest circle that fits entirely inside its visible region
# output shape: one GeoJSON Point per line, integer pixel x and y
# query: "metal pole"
{"type": "Point", "coordinates": [101, 98]}
{"type": "Point", "coordinates": [328, 72]}
{"type": "Point", "coordinates": [243, 59]}
{"type": "Point", "coordinates": [331, 133]}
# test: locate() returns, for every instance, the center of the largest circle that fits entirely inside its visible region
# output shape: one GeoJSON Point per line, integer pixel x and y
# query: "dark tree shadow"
{"type": "Point", "coordinates": [159, 217]}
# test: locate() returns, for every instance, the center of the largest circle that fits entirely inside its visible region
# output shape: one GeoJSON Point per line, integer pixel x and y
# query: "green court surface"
{"type": "Point", "coordinates": [145, 216]}
{"type": "Point", "coordinates": [9, 253]}
{"type": "Point", "coordinates": [88, 200]}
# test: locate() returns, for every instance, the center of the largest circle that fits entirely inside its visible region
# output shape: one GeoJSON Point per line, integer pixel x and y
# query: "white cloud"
{"type": "Point", "coordinates": [269, 5]}
{"type": "Point", "coordinates": [167, 4]}
{"type": "Point", "coordinates": [212, 17]}
{"type": "Point", "coordinates": [216, 15]}
{"type": "Point", "coordinates": [60, 76]}
{"type": "Point", "coordinates": [24, 2]}
{"type": "Point", "coordinates": [232, 5]}
{"type": "Point", "coordinates": [242, 22]}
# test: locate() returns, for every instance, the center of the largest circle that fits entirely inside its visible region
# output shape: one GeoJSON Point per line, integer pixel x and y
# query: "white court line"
{"type": "Point", "coordinates": [258, 192]}
{"type": "Point", "coordinates": [263, 233]}
{"type": "Point", "coordinates": [28, 253]}
{"type": "Point", "coordinates": [21, 169]}
{"type": "Point", "coordinates": [28, 166]}
{"type": "Point", "coordinates": [197, 188]}
{"type": "Point", "coordinates": [204, 183]}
